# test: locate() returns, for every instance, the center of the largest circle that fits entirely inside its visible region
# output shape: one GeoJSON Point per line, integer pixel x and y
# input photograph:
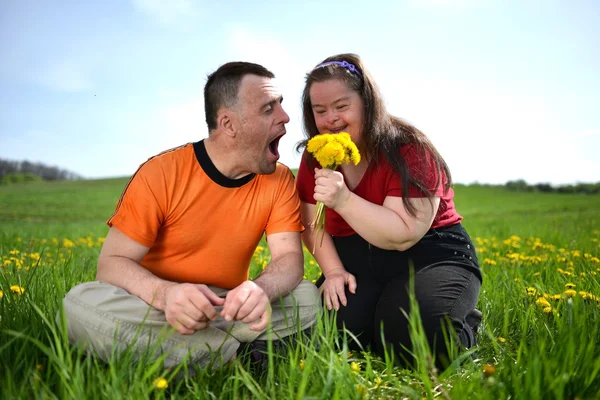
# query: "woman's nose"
{"type": "Point", "coordinates": [332, 116]}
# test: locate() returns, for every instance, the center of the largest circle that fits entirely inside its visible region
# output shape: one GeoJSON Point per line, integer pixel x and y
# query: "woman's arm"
{"type": "Point", "coordinates": [388, 226]}
{"type": "Point", "coordinates": [336, 276]}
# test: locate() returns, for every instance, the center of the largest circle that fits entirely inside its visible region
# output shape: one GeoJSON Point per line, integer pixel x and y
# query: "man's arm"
{"type": "Point", "coordinates": [187, 307]}
{"type": "Point", "coordinates": [119, 265]}
{"type": "Point", "coordinates": [286, 268]}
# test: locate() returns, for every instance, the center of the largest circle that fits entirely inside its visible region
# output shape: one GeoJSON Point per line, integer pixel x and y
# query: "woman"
{"type": "Point", "coordinates": [392, 212]}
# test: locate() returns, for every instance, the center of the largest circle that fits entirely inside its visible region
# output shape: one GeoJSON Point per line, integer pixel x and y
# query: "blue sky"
{"type": "Point", "coordinates": [505, 89]}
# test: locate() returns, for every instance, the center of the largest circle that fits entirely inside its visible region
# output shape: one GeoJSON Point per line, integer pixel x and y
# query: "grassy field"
{"type": "Point", "coordinates": [540, 338]}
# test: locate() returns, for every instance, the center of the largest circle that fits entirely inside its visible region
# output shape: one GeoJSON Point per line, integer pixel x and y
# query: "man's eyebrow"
{"type": "Point", "coordinates": [272, 102]}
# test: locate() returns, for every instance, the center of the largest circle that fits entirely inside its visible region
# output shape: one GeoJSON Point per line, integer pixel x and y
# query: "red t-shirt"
{"type": "Point", "coordinates": [381, 180]}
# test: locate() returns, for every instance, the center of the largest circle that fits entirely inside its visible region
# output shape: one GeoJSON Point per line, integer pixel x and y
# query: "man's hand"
{"type": "Point", "coordinates": [189, 307]}
{"type": "Point", "coordinates": [247, 303]}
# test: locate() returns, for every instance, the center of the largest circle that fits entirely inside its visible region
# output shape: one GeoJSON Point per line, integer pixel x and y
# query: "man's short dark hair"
{"type": "Point", "coordinates": [222, 87]}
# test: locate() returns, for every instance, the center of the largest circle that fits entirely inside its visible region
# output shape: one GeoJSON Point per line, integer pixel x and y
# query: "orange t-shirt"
{"type": "Point", "coordinates": [200, 226]}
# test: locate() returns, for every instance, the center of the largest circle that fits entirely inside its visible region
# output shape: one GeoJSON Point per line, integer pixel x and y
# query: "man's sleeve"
{"type": "Point", "coordinates": [140, 211]}
{"type": "Point", "coordinates": [285, 214]}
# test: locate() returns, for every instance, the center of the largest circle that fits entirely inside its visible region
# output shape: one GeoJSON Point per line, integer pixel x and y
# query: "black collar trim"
{"type": "Point", "coordinates": [213, 173]}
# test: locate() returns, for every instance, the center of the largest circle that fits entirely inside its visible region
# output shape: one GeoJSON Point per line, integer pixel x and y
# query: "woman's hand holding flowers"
{"type": "Point", "coordinates": [330, 188]}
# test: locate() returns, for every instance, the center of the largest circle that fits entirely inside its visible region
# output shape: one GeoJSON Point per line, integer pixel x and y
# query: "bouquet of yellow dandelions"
{"type": "Point", "coordinates": [330, 150]}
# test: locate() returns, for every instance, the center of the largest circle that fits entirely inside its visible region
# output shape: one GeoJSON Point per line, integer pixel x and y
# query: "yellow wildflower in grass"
{"type": "Point", "coordinates": [531, 291]}
{"type": "Point", "coordinates": [16, 289]}
{"type": "Point", "coordinates": [542, 302]}
{"type": "Point", "coordinates": [500, 339]}
{"type": "Point", "coordinates": [160, 383]}
{"type": "Point", "coordinates": [301, 365]}
{"type": "Point", "coordinates": [354, 366]}
{"type": "Point", "coordinates": [547, 309]}
{"type": "Point", "coordinates": [330, 150]}
{"type": "Point", "coordinates": [570, 286]}
{"type": "Point", "coordinates": [361, 390]}
{"type": "Point", "coordinates": [570, 293]}
{"type": "Point", "coordinates": [1, 294]}
{"type": "Point", "coordinates": [489, 370]}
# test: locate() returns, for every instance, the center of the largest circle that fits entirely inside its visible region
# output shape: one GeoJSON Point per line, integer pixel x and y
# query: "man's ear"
{"type": "Point", "coordinates": [226, 120]}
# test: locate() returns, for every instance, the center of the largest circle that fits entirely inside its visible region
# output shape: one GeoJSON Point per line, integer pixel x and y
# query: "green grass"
{"type": "Point", "coordinates": [529, 245]}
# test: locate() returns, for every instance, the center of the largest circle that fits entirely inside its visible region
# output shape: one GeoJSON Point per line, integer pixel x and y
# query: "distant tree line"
{"type": "Point", "coordinates": [521, 185]}
{"type": "Point", "coordinates": [25, 171]}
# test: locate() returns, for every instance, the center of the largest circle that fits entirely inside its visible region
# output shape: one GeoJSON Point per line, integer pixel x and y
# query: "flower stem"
{"type": "Point", "coordinates": [318, 224]}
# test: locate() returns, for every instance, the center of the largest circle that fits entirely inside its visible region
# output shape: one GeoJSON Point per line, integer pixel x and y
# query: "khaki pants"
{"type": "Point", "coordinates": [104, 318]}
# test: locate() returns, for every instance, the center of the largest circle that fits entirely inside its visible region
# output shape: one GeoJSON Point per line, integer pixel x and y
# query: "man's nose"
{"type": "Point", "coordinates": [285, 118]}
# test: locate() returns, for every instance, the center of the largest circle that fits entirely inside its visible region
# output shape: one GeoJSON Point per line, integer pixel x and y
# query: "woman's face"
{"type": "Point", "coordinates": [337, 108]}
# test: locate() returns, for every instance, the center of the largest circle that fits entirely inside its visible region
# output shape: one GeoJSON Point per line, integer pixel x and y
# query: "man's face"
{"type": "Point", "coordinates": [262, 123]}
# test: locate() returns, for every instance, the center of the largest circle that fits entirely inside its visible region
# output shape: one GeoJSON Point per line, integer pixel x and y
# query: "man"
{"type": "Point", "coordinates": [181, 239]}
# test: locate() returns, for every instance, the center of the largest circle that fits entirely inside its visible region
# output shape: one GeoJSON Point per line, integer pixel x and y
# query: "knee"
{"type": "Point", "coordinates": [306, 294]}
{"type": "Point", "coordinates": [307, 299]}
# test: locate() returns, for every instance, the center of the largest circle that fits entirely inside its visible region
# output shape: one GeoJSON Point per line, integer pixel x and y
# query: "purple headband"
{"type": "Point", "coordinates": [345, 64]}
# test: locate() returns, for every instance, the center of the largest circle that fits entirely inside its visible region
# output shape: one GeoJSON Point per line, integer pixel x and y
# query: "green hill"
{"type": "Point", "coordinates": [75, 208]}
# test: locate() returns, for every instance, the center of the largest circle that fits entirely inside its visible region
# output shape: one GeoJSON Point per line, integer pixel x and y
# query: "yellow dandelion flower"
{"type": "Point", "coordinates": [547, 309]}
{"type": "Point", "coordinates": [542, 302]}
{"type": "Point", "coordinates": [330, 151]}
{"type": "Point", "coordinates": [556, 297]}
{"type": "Point", "coordinates": [378, 381]}
{"type": "Point", "coordinates": [570, 293]}
{"type": "Point", "coordinates": [570, 286]}
{"type": "Point", "coordinates": [489, 369]}
{"type": "Point", "coordinates": [531, 291]}
{"type": "Point", "coordinates": [354, 366]}
{"type": "Point", "coordinates": [1, 294]}
{"type": "Point", "coordinates": [16, 289]}
{"type": "Point", "coordinates": [500, 339]}
{"type": "Point", "coordinates": [361, 390]}
{"type": "Point", "coordinates": [160, 383]}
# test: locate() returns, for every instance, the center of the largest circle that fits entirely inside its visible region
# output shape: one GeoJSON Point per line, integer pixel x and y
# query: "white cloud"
{"type": "Point", "coordinates": [590, 133]}
{"type": "Point", "coordinates": [184, 121]}
{"type": "Point", "coordinates": [167, 12]}
{"type": "Point", "coordinates": [64, 76]}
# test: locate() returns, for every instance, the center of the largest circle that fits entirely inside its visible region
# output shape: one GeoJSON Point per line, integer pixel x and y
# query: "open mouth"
{"type": "Point", "coordinates": [274, 146]}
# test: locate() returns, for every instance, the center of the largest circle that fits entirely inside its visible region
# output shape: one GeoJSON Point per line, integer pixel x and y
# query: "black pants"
{"type": "Point", "coordinates": [447, 280]}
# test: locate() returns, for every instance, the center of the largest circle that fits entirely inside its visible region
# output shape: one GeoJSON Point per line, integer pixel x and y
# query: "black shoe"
{"type": "Point", "coordinates": [473, 319]}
